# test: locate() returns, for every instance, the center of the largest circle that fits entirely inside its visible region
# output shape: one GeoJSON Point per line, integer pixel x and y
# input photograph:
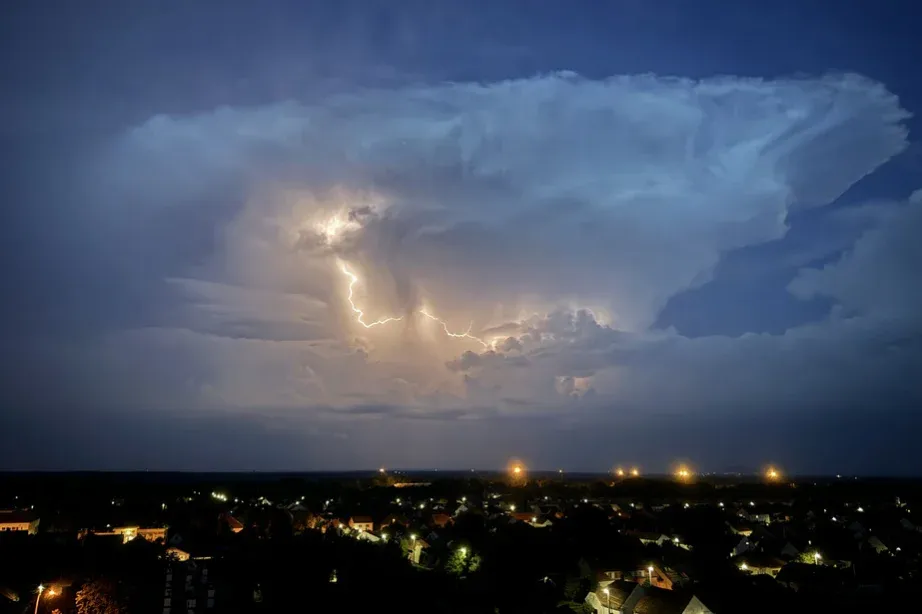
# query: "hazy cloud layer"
{"type": "Point", "coordinates": [552, 218]}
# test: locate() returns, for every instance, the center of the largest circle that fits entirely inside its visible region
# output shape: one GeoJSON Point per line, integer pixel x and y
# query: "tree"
{"type": "Point", "coordinates": [98, 597]}
{"type": "Point", "coordinates": [806, 557]}
{"type": "Point", "coordinates": [461, 562]}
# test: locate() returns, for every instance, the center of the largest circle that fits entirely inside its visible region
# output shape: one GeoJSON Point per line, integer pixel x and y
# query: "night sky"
{"type": "Point", "coordinates": [655, 230]}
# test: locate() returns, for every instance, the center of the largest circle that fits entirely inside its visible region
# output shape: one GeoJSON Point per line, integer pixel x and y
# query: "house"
{"type": "Point", "coordinates": [232, 523]}
{"type": "Point", "coordinates": [758, 517]}
{"type": "Point", "coordinates": [415, 547]}
{"type": "Point", "coordinates": [368, 536]}
{"type": "Point", "coordinates": [652, 574]}
{"type": "Point", "coordinates": [362, 523]}
{"type": "Point", "coordinates": [128, 533]}
{"type": "Point", "coordinates": [14, 520]}
{"type": "Point", "coordinates": [624, 598]}
{"type": "Point", "coordinates": [789, 550]}
{"type": "Point", "coordinates": [178, 553]}
{"type": "Point", "coordinates": [659, 601]}
{"type": "Point", "coordinates": [614, 597]}
{"type": "Point", "coordinates": [741, 529]}
{"type": "Point", "coordinates": [540, 522]}
{"type": "Point", "coordinates": [744, 545]}
{"type": "Point", "coordinates": [440, 520]}
{"type": "Point", "coordinates": [188, 588]}
{"type": "Point", "coordinates": [756, 563]}
{"type": "Point", "coordinates": [877, 544]}
{"type": "Point", "coordinates": [649, 537]}
{"type": "Point", "coordinates": [395, 519]}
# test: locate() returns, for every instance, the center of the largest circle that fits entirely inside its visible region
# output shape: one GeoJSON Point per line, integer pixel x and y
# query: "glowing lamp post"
{"type": "Point", "coordinates": [607, 594]}
{"type": "Point", "coordinates": [38, 597]}
{"type": "Point", "coordinates": [683, 473]}
{"type": "Point", "coordinates": [517, 472]}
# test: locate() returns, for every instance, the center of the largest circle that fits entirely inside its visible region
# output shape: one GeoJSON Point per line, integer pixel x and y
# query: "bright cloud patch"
{"type": "Point", "coordinates": [521, 236]}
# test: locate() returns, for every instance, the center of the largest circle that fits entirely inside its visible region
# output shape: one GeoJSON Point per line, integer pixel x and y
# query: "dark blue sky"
{"type": "Point", "coordinates": [730, 203]}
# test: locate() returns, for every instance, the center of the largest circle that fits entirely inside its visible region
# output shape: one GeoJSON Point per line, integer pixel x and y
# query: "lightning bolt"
{"type": "Point", "coordinates": [359, 314]}
{"type": "Point", "coordinates": [465, 335]}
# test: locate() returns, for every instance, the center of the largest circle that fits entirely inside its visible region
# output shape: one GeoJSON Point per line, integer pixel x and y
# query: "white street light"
{"type": "Point", "coordinates": [38, 597]}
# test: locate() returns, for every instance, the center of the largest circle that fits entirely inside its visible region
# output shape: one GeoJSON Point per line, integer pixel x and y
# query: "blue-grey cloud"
{"type": "Point", "coordinates": [553, 217]}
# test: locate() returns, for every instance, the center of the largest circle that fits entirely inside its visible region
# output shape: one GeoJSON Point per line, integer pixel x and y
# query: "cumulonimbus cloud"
{"type": "Point", "coordinates": [496, 205]}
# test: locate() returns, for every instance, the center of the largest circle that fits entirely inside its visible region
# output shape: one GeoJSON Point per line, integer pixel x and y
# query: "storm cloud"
{"type": "Point", "coordinates": [525, 235]}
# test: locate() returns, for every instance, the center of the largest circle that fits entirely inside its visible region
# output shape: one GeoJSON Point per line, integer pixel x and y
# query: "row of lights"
{"type": "Point", "coordinates": [683, 472]}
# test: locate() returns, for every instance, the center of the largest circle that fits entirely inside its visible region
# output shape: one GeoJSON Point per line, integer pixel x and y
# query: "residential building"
{"type": "Point", "coordinates": [14, 520]}
{"type": "Point", "coordinates": [362, 523]}
{"type": "Point", "coordinates": [625, 598]}
{"type": "Point", "coordinates": [151, 534]}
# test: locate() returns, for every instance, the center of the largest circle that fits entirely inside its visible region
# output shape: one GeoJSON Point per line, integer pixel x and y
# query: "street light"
{"type": "Point", "coordinates": [463, 551]}
{"type": "Point", "coordinates": [38, 596]}
{"type": "Point", "coordinates": [816, 558]}
{"type": "Point", "coordinates": [650, 571]}
{"type": "Point", "coordinates": [608, 597]}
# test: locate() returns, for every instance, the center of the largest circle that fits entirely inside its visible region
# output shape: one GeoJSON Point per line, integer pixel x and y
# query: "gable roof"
{"type": "Point", "coordinates": [618, 591]}
{"type": "Point", "coordinates": [361, 519]}
{"type": "Point", "coordinates": [661, 601]}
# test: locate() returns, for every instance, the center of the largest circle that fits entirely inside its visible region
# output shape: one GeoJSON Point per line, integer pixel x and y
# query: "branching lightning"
{"type": "Point", "coordinates": [331, 230]}
{"type": "Point", "coordinates": [465, 335]}
{"type": "Point", "coordinates": [360, 314]}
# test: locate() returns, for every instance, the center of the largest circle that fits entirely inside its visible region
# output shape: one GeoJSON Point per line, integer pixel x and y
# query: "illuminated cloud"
{"type": "Point", "coordinates": [552, 218]}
